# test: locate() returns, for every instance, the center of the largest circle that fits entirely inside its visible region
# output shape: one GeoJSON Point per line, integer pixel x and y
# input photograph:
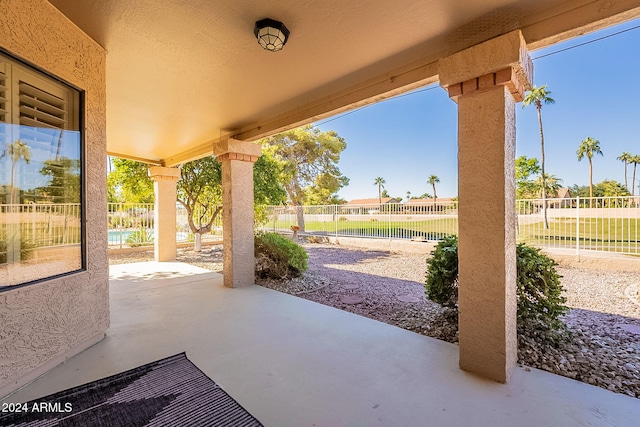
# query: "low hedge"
{"type": "Point", "coordinates": [278, 257]}
{"type": "Point", "coordinates": [539, 292]}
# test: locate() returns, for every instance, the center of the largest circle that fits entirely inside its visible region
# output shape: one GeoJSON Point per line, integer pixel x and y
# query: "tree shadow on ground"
{"type": "Point", "coordinates": [347, 255]}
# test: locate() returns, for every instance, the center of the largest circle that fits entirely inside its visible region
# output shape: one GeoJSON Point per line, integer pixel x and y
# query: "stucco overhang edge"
{"type": "Point", "coordinates": [155, 162]}
{"type": "Point", "coordinates": [557, 25]}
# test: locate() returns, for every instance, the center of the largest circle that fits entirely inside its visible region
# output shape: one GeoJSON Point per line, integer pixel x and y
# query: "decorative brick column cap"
{"type": "Point", "coordinates": [235, 149]}
{"type": "Point", "coordinates": [160, 173]}
{"type": "Point", "coordinates": [503, 60]}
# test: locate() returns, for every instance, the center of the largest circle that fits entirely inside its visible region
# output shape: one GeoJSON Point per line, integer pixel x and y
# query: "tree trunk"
{"type": "Point", "coordinates": [197, 242]}
{"type": "Point", "coordinates": [633, 181]}
{"type": "Point", "coordinates": [12, 190]}
{"type": "Point", "coordinates": [435, 198]}
{"type": "Point", "coordinates": [590, 183]}
{"type": "Point", "coordinates": [544, 184]}
{"type": "Point", "coordinates": [626, 181]}
{"type": "Point", "coordinates": [300, 216]}
{"type": "Point", "coordinates": [59, 146]}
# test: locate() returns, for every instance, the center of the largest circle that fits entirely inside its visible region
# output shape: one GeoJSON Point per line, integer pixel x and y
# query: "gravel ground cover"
{"type": "Point", "coordinates": [604, 320]}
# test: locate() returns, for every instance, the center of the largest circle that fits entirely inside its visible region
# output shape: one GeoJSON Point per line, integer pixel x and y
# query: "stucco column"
{"type": "Point", "coordinates": [164, 187]}
{"type": "Point", "coordinates": [486, 81]}
{"type": "Point", "coordinates": [237, 159]}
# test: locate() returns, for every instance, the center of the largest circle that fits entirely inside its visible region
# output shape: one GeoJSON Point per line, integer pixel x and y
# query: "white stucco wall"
{"type": "Point", "coordinates": [43, 324]}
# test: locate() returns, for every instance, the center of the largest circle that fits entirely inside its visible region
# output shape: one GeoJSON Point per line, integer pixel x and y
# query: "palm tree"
{"type": "Point", "coordinates": [408, 195]}
{"type": "Point", "coordinates": [16, 151]}
{"type": "Point", "coordinates": [538, 96]}
{"type": "Point", "coordinates": [551, 182]}
{"type": "Point", "coordinates": [379, 181]}
{"type": "Point", "coordinates": [626, 159]}
{"type": "Point", "coordinates": [433, 179]}
{"type": "Point", "coordinates": [588, 148]}
{"type": "Point", "coordinates": [635, 160]}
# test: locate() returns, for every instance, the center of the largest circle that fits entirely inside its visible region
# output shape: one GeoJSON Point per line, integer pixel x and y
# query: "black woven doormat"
{"type": "Point", "coordinates": [168, 392]}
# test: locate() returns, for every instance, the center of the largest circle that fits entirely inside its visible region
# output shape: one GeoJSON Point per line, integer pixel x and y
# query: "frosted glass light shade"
{"type": "Point", "coordinates": [272, 35]}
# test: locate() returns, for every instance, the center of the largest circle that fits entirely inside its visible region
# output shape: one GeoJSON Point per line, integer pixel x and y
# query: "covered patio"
{"type": "Point", "coordinates": [292, 362]}
{"type": "Point", "coordinates": [166, 82]}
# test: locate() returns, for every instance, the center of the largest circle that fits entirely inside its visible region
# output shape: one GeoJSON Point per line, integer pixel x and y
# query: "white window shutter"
{"type": "Point", "coordinates": [41, 109]}
{"type": "Point", "coordinates": [5, 93]}
{"type": "Point", "coordinates": [39, 103]}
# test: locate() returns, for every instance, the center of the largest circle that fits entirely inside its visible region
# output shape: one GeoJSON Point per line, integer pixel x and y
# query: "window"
{"type": "Point", "coordinates": [41, 167]}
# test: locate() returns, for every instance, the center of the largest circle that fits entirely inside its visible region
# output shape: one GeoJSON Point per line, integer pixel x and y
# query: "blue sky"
{"type": "Point", "coordinates": [597, 94]}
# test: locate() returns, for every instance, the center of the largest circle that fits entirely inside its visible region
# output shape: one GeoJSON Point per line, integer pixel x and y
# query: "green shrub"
{"type": "Point", "coordinates": [540, 299]}
{"type": "Point", "coordinates": [140, 237]}
{"type": "Point", "coordinates": [539, 292]}
{"type": "Point", "coordinates": [442, 273]}
{"type": "Point", "coordinates": [278, 257]}
{"type": "Point", "coordinates": [261, 214]}
{"type": "Point", "coordinates": [26, 248]}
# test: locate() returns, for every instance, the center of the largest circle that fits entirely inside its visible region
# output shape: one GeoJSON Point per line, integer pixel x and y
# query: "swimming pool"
{"type": "Point", "coordinates": [115, 237]}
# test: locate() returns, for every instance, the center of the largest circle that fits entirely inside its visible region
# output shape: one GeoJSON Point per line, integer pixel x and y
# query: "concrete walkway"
{"type": "Point", "coordinates": [292, 362]}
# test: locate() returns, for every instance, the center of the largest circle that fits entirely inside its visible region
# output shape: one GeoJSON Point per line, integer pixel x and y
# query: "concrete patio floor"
{"type": "Point", "coordinates": [292, 362]}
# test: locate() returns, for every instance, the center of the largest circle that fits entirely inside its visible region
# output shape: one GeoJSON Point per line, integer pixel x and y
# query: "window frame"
{"type": "Point", "coordinates": [79, 116]}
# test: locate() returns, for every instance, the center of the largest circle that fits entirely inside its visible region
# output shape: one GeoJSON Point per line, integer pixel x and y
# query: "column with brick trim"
{"type": "Point", "coordinates": [164, 224]}
{"type": "Point", "coordinates": [486, 81]}
{"type": "Point", "coordinates": [237, 158]}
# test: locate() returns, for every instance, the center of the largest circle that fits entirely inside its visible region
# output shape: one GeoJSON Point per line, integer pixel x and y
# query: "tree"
{"type": "Point", "coordinates": [610, 188]}
{"type": "Point", "coordinates": [551, 183]}
{"type": "Point", "coordinates": [538, 96]}
{"type": "Point", "coordinates": [309, 161]}
{"type": "Point", "coordinates": [199, 189]}
{"type": "Point", "coordinates": [379, 181]}
{"type": "Point", "coordinates": [17, 151]}
{"type": "Point", "coordinates": [433, 179]}
{"type": "Point", "coordinates": [525, 168]}
{"type": "Point", "coordinates": [64, 186]}
{"type": "Point", "coordinates": [385, 194]}
{"type": "Point", "coordinates": [606, 188]}
{"type": "Point", "coordinates": [200, 192]}
{"type": "Point", "coordinates": [626, 159]}
{"type": "Point", "coordinates": [635, 160]}
{"type": "Point", "coordinates": [129, 182]}
{"type": "Point", "coordinates": [322, 191]}
{"type": "Point", "coordinates": [267, 189]}
{"type": "Point", "coordinates": [422, 196]}
{"type": "Point", "coordinates": [588, 148]}
{"type": "Point", "coordinates": [408, 195]}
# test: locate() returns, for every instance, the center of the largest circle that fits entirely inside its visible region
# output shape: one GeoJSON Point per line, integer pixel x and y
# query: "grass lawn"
{"type": "Point", "coordinates": [606, 234]}
{"type": "Point", "coordinates": [436, 228]}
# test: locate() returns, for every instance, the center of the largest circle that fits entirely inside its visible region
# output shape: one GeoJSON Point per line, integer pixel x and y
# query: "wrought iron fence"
{"type": "Point", "coordinates": [41, 224]}
{"type": "Point", "coordinates": [599, 224]}
{"type": "Point", "coordinates": [609, 224]}
{"type": "Point", "coordinates": [425, 221]}
{"type": "Point", "coordinates": [132, 224]}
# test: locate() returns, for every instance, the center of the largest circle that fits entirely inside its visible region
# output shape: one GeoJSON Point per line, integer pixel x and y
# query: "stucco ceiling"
{"type": "Point", "coordinates": [182, 73]}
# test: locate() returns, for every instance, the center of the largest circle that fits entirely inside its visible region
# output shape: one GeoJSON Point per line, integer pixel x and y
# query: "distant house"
{"type": "Point", "coordinates": [370, 206]}
{"type": "Point", "coordinates": [564, 199]}
{"type": "Point", "coordinates": [439, 205]}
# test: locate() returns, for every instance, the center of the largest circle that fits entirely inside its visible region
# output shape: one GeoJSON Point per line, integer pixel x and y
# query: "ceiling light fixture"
{"type": "Point", "coordinates": [271, 34]}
